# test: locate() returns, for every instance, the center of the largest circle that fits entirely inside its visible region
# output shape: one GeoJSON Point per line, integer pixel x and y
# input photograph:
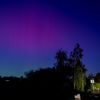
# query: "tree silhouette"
{"type": "Point", "coordinates": [78, 68]}
{"type": "Point", "coordinates": [64, 72]}
{"type": "Point", "coordinates": [61, 58]}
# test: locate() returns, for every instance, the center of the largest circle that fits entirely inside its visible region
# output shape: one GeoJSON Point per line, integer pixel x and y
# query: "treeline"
{"type": "Point", "coordinates": [62, 81]}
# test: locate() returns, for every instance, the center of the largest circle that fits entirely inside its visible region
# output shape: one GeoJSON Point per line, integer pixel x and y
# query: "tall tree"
{"type": "Point", "coordinates": [78, 68]}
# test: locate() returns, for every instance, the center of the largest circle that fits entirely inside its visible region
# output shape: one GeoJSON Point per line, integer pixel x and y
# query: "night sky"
{"type": "Point", "coordinates": [31, 32]}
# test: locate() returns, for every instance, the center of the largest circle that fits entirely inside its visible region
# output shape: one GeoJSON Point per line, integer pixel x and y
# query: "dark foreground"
{"type": "Point", "coordinates": [90, 96]}
{"type": "Point", "coordinates": [34, 94]}
{"type": "Point", "coordinates": [40, 86]}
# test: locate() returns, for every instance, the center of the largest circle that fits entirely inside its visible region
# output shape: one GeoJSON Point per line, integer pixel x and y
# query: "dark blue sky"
{"type": "Point", "coordinates": [31, 31]}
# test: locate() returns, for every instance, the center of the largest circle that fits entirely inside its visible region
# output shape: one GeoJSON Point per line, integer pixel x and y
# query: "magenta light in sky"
{"type": "Point", "coordinates": [31, 30]}
{"type": "Point", "coordinates": [31, 33]}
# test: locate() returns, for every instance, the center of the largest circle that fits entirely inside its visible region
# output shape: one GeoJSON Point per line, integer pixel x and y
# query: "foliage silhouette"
{"type": "Point", "coordinates": [61, 57]}
{"type": "Point", "coordinates": [79, 78]}
{"type": "Point", "coordinates": [50, 83]}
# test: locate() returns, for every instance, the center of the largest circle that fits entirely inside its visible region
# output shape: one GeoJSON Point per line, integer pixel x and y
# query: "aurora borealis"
{"type": "Point", "coordinates": [31, 31]}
